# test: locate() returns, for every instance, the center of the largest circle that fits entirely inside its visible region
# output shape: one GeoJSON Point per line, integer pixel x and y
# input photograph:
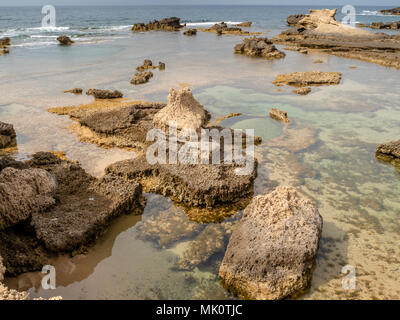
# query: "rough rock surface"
{"type": "Point", "coordinates": [7, 135]}
{"type": "Point", "coordinates": [309, 78]}
{"type": "Point", "coordinates": [302, 91]}
{"type": "Point", "coordinates": [223, 28]}
{"type": "Point", "coordinates": [65, 41]}
{"type": "Point", "coordinates": [320, 32]}
{"type": "Point", "coordinates": [7, 294]}
{"type": "Point", "coordinates": [104, 94]}
{"type": "Point", "coordinates": [161, 65]}
{"type": "Point", "coordinates": [23, 193]}
{"type": "Point", "coordinates": [190, 32]}
{"type": "Point", "coordinates": [279, 115]}
{"type": "Point", "coordinates": [389, 152]}
{"type": "Point", "coordinates": [259, 47]}
{"type": "Point", "coordinates": [294, 19]}
{"type": "Point", "coordinates": [394, 11]}
{"type": "Point", "coordinates": [271, 253]}
{"type": "Point", "coordinates": [4, 44]}
{"type": "Point", "coordinates": [147, 64]}
{"type": "Point", "coordinates": [167, 24]}
{"type": "Point", "coordinates": [141, 77]}
{"type": "Point", "coordinates": [58, 208]}
{"type": "Point", "coordinates": [381, 25]}
{"type": "Point", "coordinates": [184, 109]}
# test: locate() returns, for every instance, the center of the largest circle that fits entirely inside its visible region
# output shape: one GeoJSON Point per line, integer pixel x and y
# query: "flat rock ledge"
{"type": "Point", "coordinates": [8, 137]}
{"type": "Point", "coordinates": [389, 152]}
{"type": "Point", "coordinates": [50, 206]}
{"type": "Point", "coordinates": [272, 251]}
{"type": "Point", "coordinates": [167, 24]}
{"type": "Point", "coordinates": [223, 28]}
{"type": "Point", "coordinates": [308, 78]}
{"type": "Point", "coordinates": [259, 47]}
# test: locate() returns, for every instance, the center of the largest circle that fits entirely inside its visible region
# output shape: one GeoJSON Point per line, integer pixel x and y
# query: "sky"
{"type": "Point", "coordinates": [388, 3]}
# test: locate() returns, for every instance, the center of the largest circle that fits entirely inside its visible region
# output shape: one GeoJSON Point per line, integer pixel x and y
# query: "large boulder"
{"type": "Point", "coordinates": [7, 135]}
{"type": "Point", "coordinates": [271, 253]}
{"type": "Point", "coordinates": [23, 193]}
{"type": "Point", "coordinates": [259, 47]}
{"type": "Point", "coordinates": [183, 109]}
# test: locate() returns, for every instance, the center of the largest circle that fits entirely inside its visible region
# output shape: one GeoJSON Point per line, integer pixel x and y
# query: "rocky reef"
{"type": "Point", "coordinates": [167, 24]}
{"type": "Point", "coordinates": [50, 206]}
{"type": "Point", "coordinates": [320, 32]}
{"type": "Point", "coordinates": [141, 77]}
{"type": "Point", "coordinates": [65, 40]}
{"type": "Point", "coordinates": [104, 94]}
{"type": "Point", "coordinates": [259, 47]}
{"type": "Point", "coordinates": [4, 46]}
{"type": "Point", "coordinates": [272, 251]}
{"type": "Point", "coordinates": [394, 11]}
{"type": "Point", "coordinates": [8, 137]}
{"type": "Point", "coordinates": [389, 152]}
{"type": "Point", "coordinates": [381, 25]}
{"type": "Point", "coordinates": [223, 28]}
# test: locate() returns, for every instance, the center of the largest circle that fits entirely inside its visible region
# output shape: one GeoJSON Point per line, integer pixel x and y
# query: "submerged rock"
{"type": "Point", "coordinates": [272, 251]}
{"type": "Point", "coordinates": [184, 109]}
{"type": "Point", "coordinates": [167, 24]}
{"type": "Point", "coordinates": [141, 77]}
{"type": "Point", "coordinates": [190, 32]}
{"type": "Point", "coordinates": [309, 78]}
{"type": "Point", "coordinates": [389, 152]}
{"type": "Point", "coordinates": [65, 41]}
{"type": "Point", "coordinates": [104, 94]}
{"type": "Point", "coordinates": [259, 47]}
{"type": "Point", "coordinates": [279, 115]}
{"type": "Point", "coordinates": [8, 137]}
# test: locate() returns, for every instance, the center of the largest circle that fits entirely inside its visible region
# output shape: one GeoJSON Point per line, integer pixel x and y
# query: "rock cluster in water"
{"type": "Point", "coordinates": [279, 115]}
{"type": "Point", "coordinates": [394, 11]}
{"type": "Point", "coordinates": [272, 251]}
{"type": "Point", "coordinates": [4, 46]}
{"type": "Point", "coordinates": [65, 40]}
{"type": "Point", "coordinates": [8, 137]}
{"type": "Point", "coordinates": [223, 28]}
{"type": "Point", "coordinates": [259, 47]}
{"type": "Point", "coordinates": [143, 76]}
{"type": "Point", "coordinates": [167, 24]}
{"type": "Point", "coordinates": [320, 32]}
{"type": "Point", "coordinates": [382, 25]}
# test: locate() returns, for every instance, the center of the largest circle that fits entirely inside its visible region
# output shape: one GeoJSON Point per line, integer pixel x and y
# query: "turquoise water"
{"type": "Point", "coordinates": [327, 151]}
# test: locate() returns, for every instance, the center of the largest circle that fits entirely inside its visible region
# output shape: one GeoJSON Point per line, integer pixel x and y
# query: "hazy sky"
{"type": "Point", "coordinates": [389, 3]}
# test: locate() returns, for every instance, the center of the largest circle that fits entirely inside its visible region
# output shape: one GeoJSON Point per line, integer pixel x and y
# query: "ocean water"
{"type": "Point", "coordinates": [328, 153]}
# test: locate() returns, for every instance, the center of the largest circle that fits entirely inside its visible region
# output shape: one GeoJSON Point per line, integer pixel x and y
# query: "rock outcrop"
{"type": "Point", "coordinates": [141, 77]}
{"type": "Point", "coordinates": [167, 24]}
{"type": "Point", "coordinates": [272, 251]}
{"type": "Point", "coordinates": [309, 78]}
{"type": "Point", "coordinates": [65, 40]}
{"type": "Point", "coordinates": [279, 115]}
{"type": "Point", "coordinates": [246, 24]}
{"type": "Point", "coordinates": [381, 25]}
{"type": "Point", "coordinates": [147, 64]}
{"type": "Point", "coordinates": [394, 11]}
{"type": "Point", "coordinates": [319, 32]}
{"type": "Point", "coordinates": [183, 109]}
{"type": "Point", "coordinates": [8, 137]}
{"type": "Point", "coordinates": [389, 152]}
{"type": "Point", "coordinates": [294, 19]}
{"type": "Point", "coordinates": [4, 46]}
{"type": "Point", "coordinates": [259, 47]}
{"type": "Point", "coordinates": [302, 91]}
{"type": "Point", "coordinates": [104, 94]}
{"type": "Point", "coordinates": [190, 32]}
{"type": "Point", "coordinates": [55, 207]}
{"type": "Point", "coordinates": [223, 28]}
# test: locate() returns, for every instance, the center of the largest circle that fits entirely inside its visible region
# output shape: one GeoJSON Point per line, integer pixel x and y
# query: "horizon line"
{"type": "Point", "coordinates": [189, 5]}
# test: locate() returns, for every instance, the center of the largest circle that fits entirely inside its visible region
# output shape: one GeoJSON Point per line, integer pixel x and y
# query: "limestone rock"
{"type": "Point", "coordinates": [272, 250]}
{"type": "Point", "coordinates": [259, 47]}
{"type": "Point", "coordinates": [141, 77]}
{"type": "Point", "coordinates": [104, 94]}
{"type": "Point", "coordinates": [309, 78]}
{"type": "Point", "coordinates": [279, 115]}
{"type": "Point", "coordinates": [294, 19]}
{"type": "Point", "coordinates": [167, 24]}
{"type": "Point", "coordinates": [7, 135]}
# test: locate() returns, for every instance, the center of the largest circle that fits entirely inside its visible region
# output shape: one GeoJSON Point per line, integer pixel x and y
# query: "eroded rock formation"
{"type": "Point", "coordinates": [271, 253]}
{"type": "Point", "coordinates": [104, 94]}
{"type": "Point", "coordinates": [389, 152]}
{"type": "Point", "coordinates": [7, 135]}
{"type": "Point", "coordinates": [259, 47]}
{"type": "Point", "coordinates": [394, 11]}
{"type": "Point", "coordinates": [279, 115]}
{"type": "Point", "coordinates": [4, 46]}
{"type": "Point", "coordinates": [309, 78]}
{"type": "Point", "coordinates": [141, 77]}
{"type": "Point", "coordinates": [65, 40]}
{"type": "Point", "coordinates": [167, 24]}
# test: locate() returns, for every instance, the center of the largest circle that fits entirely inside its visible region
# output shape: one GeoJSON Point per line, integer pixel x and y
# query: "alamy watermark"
{"type": "Point", "coordinates": [189, 146]}
{"type": "Point", "coordinates": [350, 15]}
{"type": "Point", "coordinates": [349, 280]}
{"type": "Point", "coordinates": [49, 280]}
{"type": "Point", "coordinates": [49, 20]}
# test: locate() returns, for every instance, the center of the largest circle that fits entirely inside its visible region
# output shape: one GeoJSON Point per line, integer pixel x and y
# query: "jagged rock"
{"type": "Point", "coordinates": [65, 41]}
{"type": "Point", "coordinates": [294, 19]}
{"type": "Point", "coordinates": [184, 109]}
{"type": "Point", "coordinates": [303, 91]}
{"type": "Point", "coordinates": [190, 32]}
{"type": "Point", "coordinates": [309, 78]}
{"type": "Point", "coordinates": [104, 94]}
{"type": "Point", "coordinates": [141, 77]}
{"type": "Point", "coordinates": [223, 28]}
{"type": "Point", "coordinates": [4, 44]}
{"type": "Point", "coordinates": [209, 242]}
{"type": "Point", "coordinates": [246, 24]}
{"type": "Point", "coordinates": [147, 64]}
{"type": "Point", "coordinates": [167, 24]}
{"type": "Point", "coordinates": [389, 152]}
{"type": "Point", "coordinates": [259, 47]}
{"type": "Point", "coordinates": [394, 11]}
{"type": "Point", "coordinates": [23, 193]}
{"type": "Point", "coordinates": [75, 91]}
{"type": "Point", "coordinates": [7, 135]}
{"type": "Point", "coordinates": [279, 115]}
{"type": "Point", "coordinates": [10, 162]}
{"type": "Point", "coordinates": [161, 65]}
{"type": "Point", "coordinates": [272, 251]}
